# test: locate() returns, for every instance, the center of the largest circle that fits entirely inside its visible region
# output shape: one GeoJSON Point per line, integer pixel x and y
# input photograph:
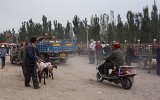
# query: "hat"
{"type": "Point", "coordinates": [2, 46]}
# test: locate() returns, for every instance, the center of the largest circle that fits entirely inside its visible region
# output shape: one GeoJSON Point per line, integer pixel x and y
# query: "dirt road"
{"type": "Point", "coordinates": [76, 81]}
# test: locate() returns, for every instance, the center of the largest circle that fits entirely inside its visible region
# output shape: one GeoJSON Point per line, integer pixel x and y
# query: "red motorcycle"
{"type": "Point", "coordinates": [122, 74]}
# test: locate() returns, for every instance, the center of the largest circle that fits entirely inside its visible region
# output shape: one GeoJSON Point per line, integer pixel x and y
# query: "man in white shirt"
{"type": "Point", "coordinates": [92, 51]}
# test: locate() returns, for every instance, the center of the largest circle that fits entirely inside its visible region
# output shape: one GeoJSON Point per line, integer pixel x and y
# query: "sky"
{"type": "Point", "coordinates": [14, 12]}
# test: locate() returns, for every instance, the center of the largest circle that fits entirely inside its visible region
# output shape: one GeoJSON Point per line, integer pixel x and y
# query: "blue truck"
{"type": "Point", "coordinates": [56, 50]}
{"type": "Point", "coordinates": [70, 45]}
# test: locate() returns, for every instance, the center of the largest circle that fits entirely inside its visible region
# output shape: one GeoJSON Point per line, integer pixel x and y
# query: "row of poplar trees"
{"type": "Point", "coordinates": [143, 26]}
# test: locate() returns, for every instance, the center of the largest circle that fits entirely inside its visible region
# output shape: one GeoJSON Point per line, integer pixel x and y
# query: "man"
{"type": "Point", "coordinates": [3, 52]}
{"type": "Point", "coordinates": [99, 50]}
{"type": "Point", "coordinates": [92, 52]}
{"type": "Point", "coordinates": [115, 59]}
{"type": "Point", "coordinates": [107, 50]}
{"type": "Point", "coordinates": [129, 55]}
{"type": "Point", "coordinates": [158, 60]}
{"type": "Point", "coordinates": [30, 64]}
{"type": "Point", "coordinates": [22, 54]}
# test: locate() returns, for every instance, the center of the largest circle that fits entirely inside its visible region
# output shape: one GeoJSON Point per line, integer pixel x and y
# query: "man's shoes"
{"type": "Point", "coordinates": [28, 85]}
{"type": "Point", "coordinates": [36, 87]}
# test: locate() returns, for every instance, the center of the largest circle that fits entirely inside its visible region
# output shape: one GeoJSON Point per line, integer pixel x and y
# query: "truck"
{"type": "Point", "coordinates": [70, 45]}
{"type": "Point", "coordinates": [53, 49]}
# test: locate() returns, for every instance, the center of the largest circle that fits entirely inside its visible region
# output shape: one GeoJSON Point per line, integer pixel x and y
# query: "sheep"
{"type": "Point", "coordinates": [42, 70]}
{"type": "Point", "coordinates": [152, 65]}
{"type": "Point", "coordinates": [50, 67]}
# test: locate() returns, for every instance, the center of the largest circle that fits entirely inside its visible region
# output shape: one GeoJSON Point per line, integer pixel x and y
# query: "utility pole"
{"type": "Point", "coordinates": [87, 36]}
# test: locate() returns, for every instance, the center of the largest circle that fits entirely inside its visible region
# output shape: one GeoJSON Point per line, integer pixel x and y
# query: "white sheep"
{"type": "Point", "coordinates": [50, 67]}
{"type": "Point", "coordinates": [42, 70]}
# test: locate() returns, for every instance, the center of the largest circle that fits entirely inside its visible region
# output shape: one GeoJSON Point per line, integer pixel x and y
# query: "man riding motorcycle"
{"type": "Point", "coordinates": [115, 59]}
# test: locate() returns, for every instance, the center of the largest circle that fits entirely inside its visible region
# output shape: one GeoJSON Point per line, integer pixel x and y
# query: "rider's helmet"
{"type": "Point", "coordinates": [116, 45]}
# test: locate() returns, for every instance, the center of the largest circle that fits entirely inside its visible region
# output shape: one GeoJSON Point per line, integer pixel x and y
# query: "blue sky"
{"type": "Point", "coordinates": [13, 12]}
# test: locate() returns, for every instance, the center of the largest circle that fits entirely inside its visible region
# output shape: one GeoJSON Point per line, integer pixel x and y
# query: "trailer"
{"type": "Point", "coordinates": [144, 54]}
{"type": "Point", "coordinates": [51, 49]}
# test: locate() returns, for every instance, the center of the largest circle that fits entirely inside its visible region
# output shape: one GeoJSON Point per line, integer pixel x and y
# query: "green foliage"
{"type": "Point", "coordinates": [76, 29]}
{"type": "Point", "coordinates": [119, 29]}
{"type": "Point", "coordinates": [67, 34]}
{"type": "Point", "coordinates": [2, 37]}
{"type": "Point", "coordinates": [154, 22]}
{"type": "Point", "coordinates": [95, 28]}
{"type": "Point", "coordinates": [145, 28]}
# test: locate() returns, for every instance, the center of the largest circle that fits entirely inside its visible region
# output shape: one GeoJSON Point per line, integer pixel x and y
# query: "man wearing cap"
{"type": "Point", "coordinates": [3, 52]}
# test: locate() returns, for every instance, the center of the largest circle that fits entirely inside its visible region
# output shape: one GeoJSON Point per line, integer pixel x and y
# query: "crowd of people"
{"type": "Point", "coordinates": [99, 50]}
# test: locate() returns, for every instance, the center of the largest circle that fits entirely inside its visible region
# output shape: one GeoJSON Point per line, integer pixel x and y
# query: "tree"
{"type": "Point", "coordinates": [44, 25]}
{"type": "Point", "coordinates": [30, 29]}
{"type": "Point", "coordinates": [145, 28]}
{"type": "Point", "coordinates": [2, 37]}
{"type": "Point", "coordinates": [104, 19]}
{"type": "Point", "coordinates": [23, 33]}
{"type": "Point", "coordinates": [49, 28]}
{"type": "Point", "coordinates": [76, 29]}
{"type": "Point", "coordinates": [14, 38]}
{"type": "Point", "coordinates": [154, 22]}
{"type": "Point", "coordinates": [119, 31]}
{"type": "Point", "coordinates": [137, 25]}
{"type": "Point", "coordinates": [38, 29]}
{"type": "Point", "coordinates": [110, 32]}
{"type": "Point", "coordinates": [68, 33]}
{"type": "Point", "coordinates": [58, 30]}
{"type": "Point", "coordinates": [82, 34]}
{"type": "Point", "coordinates": [95, 28]}
{"type": "Point", "coordinates": [131, 31]}
{"type": "Point", "coordinates": [61, 31]}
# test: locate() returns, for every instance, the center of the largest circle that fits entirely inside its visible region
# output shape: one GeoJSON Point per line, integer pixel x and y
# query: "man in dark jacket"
{"type": "Point", "coordinates": [30, 64]}
{"type": "Point", "coordinates": [115, 59]}
{"type": "Point", "coordinates": [107, 50]}
{"type": "Point", "coordinates": [158, 60]}
{"type": "Point", "coordinates": [129, 55]}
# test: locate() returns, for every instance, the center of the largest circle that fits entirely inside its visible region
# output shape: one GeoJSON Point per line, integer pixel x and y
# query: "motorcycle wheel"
{"type": "Point", "coordinates": [99, 78]}
{"type": "Point", "coordinates": [126, 83]}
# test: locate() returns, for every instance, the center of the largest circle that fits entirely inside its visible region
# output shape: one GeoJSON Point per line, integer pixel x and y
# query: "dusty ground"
{"type": "Point", "coordinates": [76, 81]}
